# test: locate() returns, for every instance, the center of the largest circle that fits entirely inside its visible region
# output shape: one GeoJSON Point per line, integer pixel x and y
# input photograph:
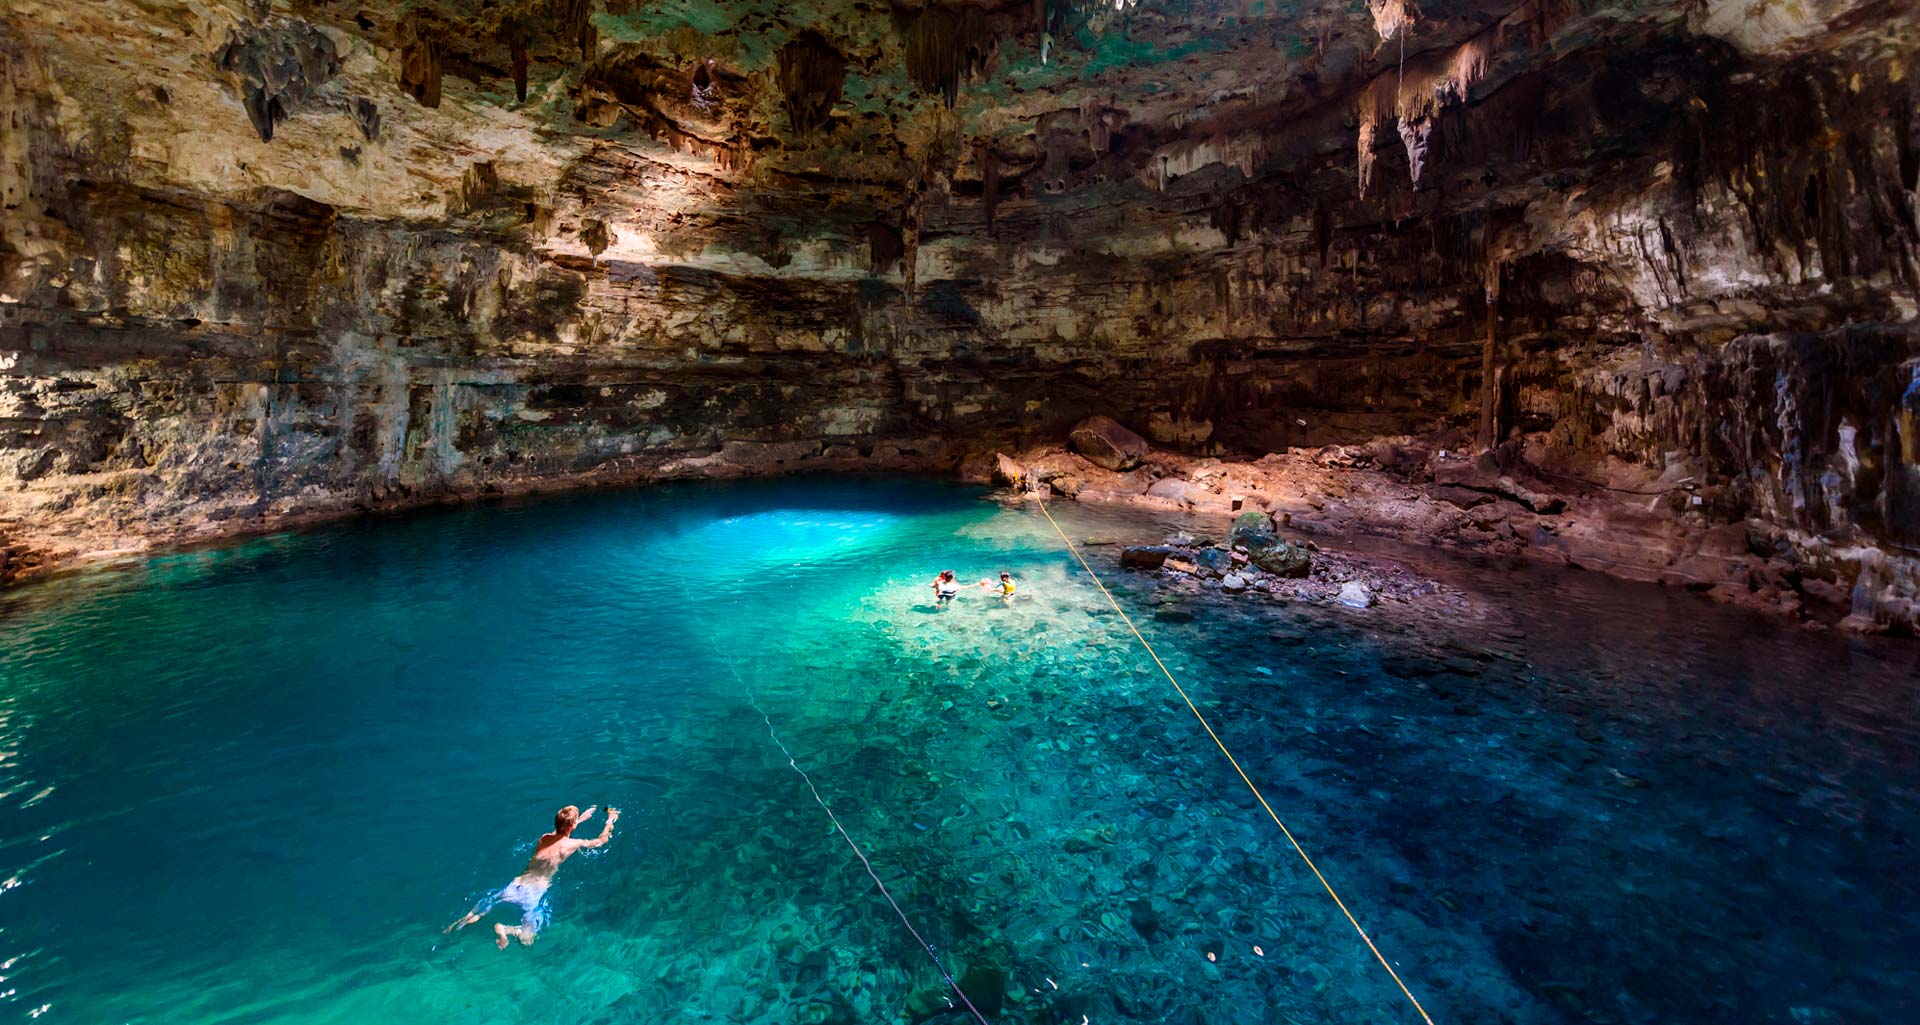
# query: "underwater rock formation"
{"type": "Point", "coordinates": [259, 264]}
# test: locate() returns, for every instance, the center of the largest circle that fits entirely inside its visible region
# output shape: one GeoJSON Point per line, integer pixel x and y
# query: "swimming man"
{"type": "Point", "coordinates": [529, 889]}
{"type": "Point", "coordinates": [945, 588]}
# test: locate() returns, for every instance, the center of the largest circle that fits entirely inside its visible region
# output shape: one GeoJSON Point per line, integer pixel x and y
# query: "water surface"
{"type": "Point", "coordinates": [251, 784]}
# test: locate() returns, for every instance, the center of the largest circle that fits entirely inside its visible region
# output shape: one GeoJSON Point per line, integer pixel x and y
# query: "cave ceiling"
{"type": "Point", "coordinates": [818, 137]}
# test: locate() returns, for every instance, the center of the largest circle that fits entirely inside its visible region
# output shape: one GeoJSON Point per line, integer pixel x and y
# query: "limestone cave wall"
{"type": "Point", "coordinates": [262, 261]}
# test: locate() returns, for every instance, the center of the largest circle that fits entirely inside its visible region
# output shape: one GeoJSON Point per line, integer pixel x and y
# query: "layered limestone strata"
{"type": "Point", "coordinates": [261, 262]}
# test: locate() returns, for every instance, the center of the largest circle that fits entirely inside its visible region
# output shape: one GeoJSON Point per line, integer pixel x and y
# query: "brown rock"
{"type": "Point", "coordinates": [1144, 556]}
{"type": "Point", "coordinates": [1007, 472]}
{"type": "Point", "coordinates": [1107, 444]}
{"type": "Point", "coordinates": [1465, 498]}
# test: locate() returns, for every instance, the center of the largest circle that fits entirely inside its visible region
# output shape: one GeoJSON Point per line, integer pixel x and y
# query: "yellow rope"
{"type": "Point", "coordinates": [1235, 762]}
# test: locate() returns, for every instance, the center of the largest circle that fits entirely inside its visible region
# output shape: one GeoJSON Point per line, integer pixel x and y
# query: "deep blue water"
{"type": "Point", "coordinates": [251, 784]}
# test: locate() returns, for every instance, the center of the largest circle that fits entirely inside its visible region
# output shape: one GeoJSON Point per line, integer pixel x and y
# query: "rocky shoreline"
{"type": "Point", "coordinates": [1616, 518]}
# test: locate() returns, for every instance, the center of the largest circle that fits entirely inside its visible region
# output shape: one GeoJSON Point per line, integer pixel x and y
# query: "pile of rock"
{"type": "Point", "coordinates": [1255, 558]}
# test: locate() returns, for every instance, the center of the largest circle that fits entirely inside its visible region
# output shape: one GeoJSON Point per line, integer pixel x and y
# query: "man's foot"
{"type": "Point", "coordinates": [500, 935]}
{"type": "Point", "coordinates": [465, 921]}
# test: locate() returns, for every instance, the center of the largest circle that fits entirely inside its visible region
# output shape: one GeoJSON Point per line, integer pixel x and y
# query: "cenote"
{"type": "Point", "coordinates": [253, 783]}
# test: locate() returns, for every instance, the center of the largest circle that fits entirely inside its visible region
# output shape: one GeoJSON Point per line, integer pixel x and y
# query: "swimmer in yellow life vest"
{"type": "Point", "coordinates": [1005, 585]}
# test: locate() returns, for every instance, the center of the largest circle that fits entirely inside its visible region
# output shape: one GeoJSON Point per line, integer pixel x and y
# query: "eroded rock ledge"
{"type": "Point", "coordinates": [1615, 517]}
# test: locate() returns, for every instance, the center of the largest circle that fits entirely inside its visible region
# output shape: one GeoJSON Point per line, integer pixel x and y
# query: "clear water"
{"type": "Point", "coordinates": [252, 784]}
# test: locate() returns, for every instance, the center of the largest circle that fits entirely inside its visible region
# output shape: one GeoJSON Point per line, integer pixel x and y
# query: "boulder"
{"type": "Point", "coordinates": [1173, 489]}
{"type": "Point", "coordinates": [1465, 498]}
{"type": "Point", "coordinates": [1214, 562]}
{"type": "Point", "coordinates": [1173, 615]}
{"type": "Point", "coordinates": [1455, 483]}
{"type": "Point", "coordinates": [1006, 472]}
{"type": "Point", "coordinates": [1144, 556]}
{"type": "Point", "coordinates": [1355, 595]}
{"type": "Point", "coordinates": [1253, 529]}
{"type": "Point", "coordinates": [1234, 582]}
{"type": "Point", "coordinates": [1107, 444]}
{"type": "Point", "coordinates": [1282, 559]}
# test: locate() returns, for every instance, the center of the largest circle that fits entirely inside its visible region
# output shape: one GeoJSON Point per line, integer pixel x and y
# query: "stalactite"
{"type": "Point", "coordinates": [420, 60]}
{"type": "Point", "coordinates": [989, 180]}
{"type": "Point", "coordinates": [595, 235]}
{"type": "Point", "coordinates": [944, 46]}
{"type": "Point", "coordinates": [1413, 135]}
{"type": "Point", "coordinates": [574, 22]}
{"type": "Point", "coordinates": [1489, 372]}
{"type": "Point", "coordinates": [1322, 231]}
{"type": "Point", "coordinates": [1420, 91]}
{"type": "Point", "coordinates": [1540, 18]}
{"type": "Point", "coordinates": [909, 249]}
{"type": "Point", "coordinates": [517, 47]}
{"type": "Point", "coordinates": [366, 115]}
{"type": "Point", "coordinates": [276, 66]}
{"type": "Point", "coordinates": [1468, 65]}
{"type": "Point", "coordinates": [1391, 17]}
{"type": "Point", "coordinates": [1367, 126]}
{"type": "Point", "coordinates": [811, 73]}
{"type": "Point", "coordinates": [1413, 97]}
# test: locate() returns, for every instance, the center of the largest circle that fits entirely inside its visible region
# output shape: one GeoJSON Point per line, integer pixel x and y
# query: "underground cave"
{"type": "Point", "coordinates": [940, 511]}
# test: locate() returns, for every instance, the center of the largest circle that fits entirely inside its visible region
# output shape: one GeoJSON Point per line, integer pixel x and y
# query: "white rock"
{"type": "Point", "coordinates": [1355, 595]}
{"type": "Point", "coordinates": [1234, 582]}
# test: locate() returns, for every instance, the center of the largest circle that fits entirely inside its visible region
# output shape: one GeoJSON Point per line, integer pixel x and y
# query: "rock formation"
{"type": "Point", "coordinates": [261, 261]}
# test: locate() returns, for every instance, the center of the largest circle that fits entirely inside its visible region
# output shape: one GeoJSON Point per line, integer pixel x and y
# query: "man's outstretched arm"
{"type": "Point", "coordinates": [606, 832]}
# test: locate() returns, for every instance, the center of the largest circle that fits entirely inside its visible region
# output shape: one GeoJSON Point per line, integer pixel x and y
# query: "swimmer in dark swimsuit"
{"type": "Point", "coordinates": [529, 889]}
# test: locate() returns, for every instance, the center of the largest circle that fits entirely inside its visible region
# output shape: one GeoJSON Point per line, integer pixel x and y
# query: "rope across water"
{"type": "Point", "coordinates": [1244, 778]}
{"type": "Point", "coordinates": [794, 764]}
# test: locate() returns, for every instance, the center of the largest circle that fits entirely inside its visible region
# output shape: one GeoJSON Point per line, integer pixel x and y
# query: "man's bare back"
{"type": "Point", "coordinates": [529, 888]}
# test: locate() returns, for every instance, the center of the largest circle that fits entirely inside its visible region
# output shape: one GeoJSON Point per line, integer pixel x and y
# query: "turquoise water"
{"type": "Point", "coordinates": [251, 784]}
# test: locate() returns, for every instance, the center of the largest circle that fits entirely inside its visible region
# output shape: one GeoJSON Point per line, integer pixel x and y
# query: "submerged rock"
{"type": "Point", "coordinates": [1107, 444]}
{"type": "Point", "coordinates": [1355, 595]}
{"type": "Point", "coordinates": [985, 987]}
{"type": "Point", "coordinates": [1086, 840]}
